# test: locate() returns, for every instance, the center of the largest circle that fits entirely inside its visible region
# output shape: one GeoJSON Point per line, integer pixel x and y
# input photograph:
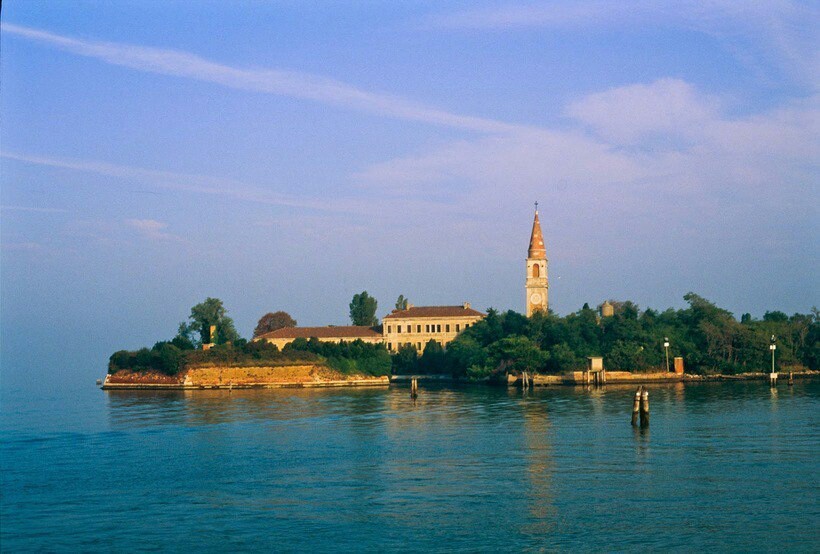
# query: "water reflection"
{"type": "Point", "coordinates": [540, 468]}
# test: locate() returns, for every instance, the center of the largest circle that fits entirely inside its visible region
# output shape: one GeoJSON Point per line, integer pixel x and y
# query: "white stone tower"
{"type": "Point", "coordinates": [537, 283]}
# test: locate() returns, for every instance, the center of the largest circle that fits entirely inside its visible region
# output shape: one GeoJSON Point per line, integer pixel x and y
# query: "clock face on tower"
{"type": "Point", "coordinates": [535, 298]}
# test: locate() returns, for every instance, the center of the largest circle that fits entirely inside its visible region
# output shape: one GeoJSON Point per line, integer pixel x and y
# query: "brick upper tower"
{"type": "Point", "coordinates": [537, 284]}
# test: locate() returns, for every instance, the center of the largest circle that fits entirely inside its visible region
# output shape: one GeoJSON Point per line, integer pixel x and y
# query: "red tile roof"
{"type": "Point", "coordinates": [351, 332]}
{"type": "Point", "coordinates": [434, 311]}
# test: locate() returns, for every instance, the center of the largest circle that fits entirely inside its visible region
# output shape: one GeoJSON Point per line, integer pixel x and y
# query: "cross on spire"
{"type": "Point", "coordinates": [536, 205]}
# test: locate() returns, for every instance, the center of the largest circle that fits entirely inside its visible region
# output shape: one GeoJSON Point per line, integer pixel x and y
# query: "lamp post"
{"type": "Point", "coordinates": [772, 347]}
{"type": "Point", "coordinates": [773, 375]}
{"type": "Point", "coordinates": [666, 347]}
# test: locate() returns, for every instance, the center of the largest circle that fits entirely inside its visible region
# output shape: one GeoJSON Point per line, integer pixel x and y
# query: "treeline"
{"type": "Point", "coordinates": [709, 339]}
{"type": "Point", "coordinates": [356, 357]}
{"type": "Point", "coordinates": [172, 357]}
{"type": "Point", "coordinates": [210, 325]}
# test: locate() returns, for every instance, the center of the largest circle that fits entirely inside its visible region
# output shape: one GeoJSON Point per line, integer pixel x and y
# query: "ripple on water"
{"type": "Point", "coordinates": [727, 466]}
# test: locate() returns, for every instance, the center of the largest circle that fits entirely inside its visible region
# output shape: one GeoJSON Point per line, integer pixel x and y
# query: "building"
{"type": "Point", "coordinates": [347, 333]}
{"type": "Point", "coordinates": [537, 284]}
{"type": "Point", "coordinates": [414, 326]}
{"type": "Point", "coordinates": [417, 325]}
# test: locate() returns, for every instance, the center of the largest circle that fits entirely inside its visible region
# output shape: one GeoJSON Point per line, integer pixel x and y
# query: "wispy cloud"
{"type": "Point", "coordinates": [273, 81]}
{"type": "Point", "coordinates": [21, 246]}
{"type": "Point", "coordinates": [671, 107]}
{"type": "Point", "coordinates": [32, 209]}
{"type": "Point", "coordinates": [152, 229]}
{"type": "Point", "coordinates": [637, 144]}
{"type": "Point", "coordinates": [184, 182]}
{"type": "Point", "coordinates": [781, 33]}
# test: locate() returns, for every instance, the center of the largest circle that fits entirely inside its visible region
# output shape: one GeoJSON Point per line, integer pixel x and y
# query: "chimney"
{"type": "Point", "coordinates": [466, 305]}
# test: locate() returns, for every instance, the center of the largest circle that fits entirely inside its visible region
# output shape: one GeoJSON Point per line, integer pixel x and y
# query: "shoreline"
{"type": "Point", "coordinates": [251, 380]}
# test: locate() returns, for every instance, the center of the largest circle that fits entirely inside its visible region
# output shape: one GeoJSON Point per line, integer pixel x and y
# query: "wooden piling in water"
{"type": "Point", "coordinates": [414, 388]}
{"type": "Point", "coordinates": [791, 379]}
{"type": "Point", "coordinates": [644, 408]}
{"type": "Point", "coordinates": [636, 407]}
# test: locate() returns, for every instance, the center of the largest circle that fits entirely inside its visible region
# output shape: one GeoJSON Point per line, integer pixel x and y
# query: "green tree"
{"type": "Point", "coordinates": [272, 321]}
{"type": "Point", "coordinates": [464, 352]}
{"type": "Point", "coordinates": [363, 310]}
{"type": "Point", "coordinates": [433, 359]}
{"type": "Point", "coordinates": [405, 361]}
{"type": "Point", "coordinates": [516, 354]}
{"type": "Point", "coordinates": [171, 357]}
{"type": "Point", "coordinates": [401, 302]}
{"type": "Point", "coordinates": [203, 316]}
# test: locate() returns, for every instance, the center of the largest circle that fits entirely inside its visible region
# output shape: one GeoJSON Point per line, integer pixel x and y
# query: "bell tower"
{"type": "Point", "coordinates": [537, 284]}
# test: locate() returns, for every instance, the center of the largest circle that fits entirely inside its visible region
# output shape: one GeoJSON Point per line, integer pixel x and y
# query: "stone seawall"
{"type": "Point", "coordinates": [243, 378]}
{"type": "Point", "coordinates": [625, 377]}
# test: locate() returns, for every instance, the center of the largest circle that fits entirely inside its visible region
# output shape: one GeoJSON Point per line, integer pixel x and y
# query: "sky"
{"type": "Point", "coordinates": [287, 155]}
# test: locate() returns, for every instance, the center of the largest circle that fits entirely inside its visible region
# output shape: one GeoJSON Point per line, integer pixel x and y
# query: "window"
{"type": "Point", "coordinates": [389, 329]}
{"type": "Point", "coordinates": [398, 328]}
{"type": "Point", "coordinates": [458, 327]}
{"type": "Point", "coordinates": [418, 328]}
{"type": "Point", "coordinates": [438, 328]}
{"type": "Point", "coordinates": [418, 345]}
{"type": "Point", "coordinates": [427, 328]}
{"type": "Point", "coordinates": [390, 346]}
{"type": "Point", "coordinates": [536, 271]}
{"type": "Point", "coordinates": [447, 328]}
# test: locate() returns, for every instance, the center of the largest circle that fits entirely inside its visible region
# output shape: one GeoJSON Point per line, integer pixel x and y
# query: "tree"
{"type": "Point", "coordinates": [272, 321]}
{"type": "Point", "coordinates": [401, 302]}
{"type": "Point", "coordinates": [405, 361]}
{"type": "Point", "coordinates": [363, 310]}
{"type": "Point", "coordinates": [203, 316]}
{"type": "Point", "coordinates": [517, 354]}
{"type": "Point", "coordinates": [432, 360]}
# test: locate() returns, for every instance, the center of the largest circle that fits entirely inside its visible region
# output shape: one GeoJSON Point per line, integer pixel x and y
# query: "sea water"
{"type": "Point", "coordinates": [723, 466]}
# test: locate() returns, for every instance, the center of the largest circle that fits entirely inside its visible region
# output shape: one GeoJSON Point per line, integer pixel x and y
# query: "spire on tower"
{"type": "Point", "coordinates": [537, 248]}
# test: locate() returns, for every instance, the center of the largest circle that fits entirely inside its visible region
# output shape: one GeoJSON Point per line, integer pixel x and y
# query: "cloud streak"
{"type": "Point", "coordinates": [152, 229]}
{"type": "Point", "coordinates": [782, 33]}
{"type": "Point", "coordinates": [183, 182]}
{"type": "Point", "coordinates": [293, 84]}
{"type": "Point", "coordinates": [33, 209]}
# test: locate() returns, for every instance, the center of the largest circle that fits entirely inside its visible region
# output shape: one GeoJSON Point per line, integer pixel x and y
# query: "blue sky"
{"type": "Point", "coordinates": [286, 155]}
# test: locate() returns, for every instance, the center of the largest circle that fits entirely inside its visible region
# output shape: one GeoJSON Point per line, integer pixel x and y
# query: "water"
{"type": "Point", "coordinates": [724, 466]}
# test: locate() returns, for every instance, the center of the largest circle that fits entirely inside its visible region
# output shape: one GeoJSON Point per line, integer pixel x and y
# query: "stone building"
{"type": "Point", "coordinates": [331, 333]}
{"type": "Point", "coordinates": [537, 284]}
{"type": "Point", "coordinates": [417, 325]}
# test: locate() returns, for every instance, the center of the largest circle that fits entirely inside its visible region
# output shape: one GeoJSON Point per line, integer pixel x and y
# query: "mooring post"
{"type": "Point", "coordinates": [636, 407]}
{"type": "Point", "coordinates": [414, 388]}
{"type": "Point", "coordinates": [791, 379]}
{"type": "Point", "coordinates": [644, 408]}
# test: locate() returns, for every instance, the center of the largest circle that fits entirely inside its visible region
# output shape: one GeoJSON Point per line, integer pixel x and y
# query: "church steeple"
{"type": "Point", "coordinates": [537, 284]}
{"type": "Point", "coordinates": [537, 249]}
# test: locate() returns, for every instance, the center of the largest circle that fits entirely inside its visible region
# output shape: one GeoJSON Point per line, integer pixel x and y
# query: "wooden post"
{"type": "Point", "coordinates": [791, 379]}
{"type": "Point", "coordinates": [644, 408]}
{"type": "Point", "coordinates": [636, 407]}
{"type": "Point", "coordinates": [603, 377]}
{"type": "Point", "coordinates": [414, 388]}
